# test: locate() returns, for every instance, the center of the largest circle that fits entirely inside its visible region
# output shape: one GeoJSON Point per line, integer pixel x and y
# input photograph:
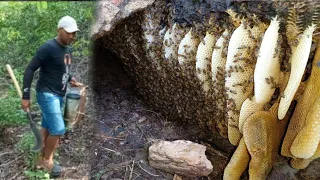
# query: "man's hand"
{"type": "Point", "coordinates": [74, 83]}
{"type": "Point", "coordinates": [25, 104]}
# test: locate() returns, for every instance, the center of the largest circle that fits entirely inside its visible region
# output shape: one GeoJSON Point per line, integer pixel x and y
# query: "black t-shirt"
{"type": "Point", "coordinates": [50, 59]}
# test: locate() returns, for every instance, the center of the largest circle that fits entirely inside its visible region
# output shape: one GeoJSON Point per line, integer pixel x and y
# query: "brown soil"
{"type": "Point", "coordinates": [11, 162]}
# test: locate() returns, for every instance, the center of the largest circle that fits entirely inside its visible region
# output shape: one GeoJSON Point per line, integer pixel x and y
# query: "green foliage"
{"type": "Point", "coordinates": [30, 158]}
{"type": "Point", "coordinates": [11, 113]}
{"type": "Point", "coordinates": [25, 145]}
{"type": "Point", "coordinates": [19, 75]}
{"type": "Point", "coordinates": [37, 174]}
{"type": "Point", "coordinates": [27, 25]}
{"type": "Point", "coordinates": [41, 5]}
{"type": "Point", "coordinates": [99, 174]}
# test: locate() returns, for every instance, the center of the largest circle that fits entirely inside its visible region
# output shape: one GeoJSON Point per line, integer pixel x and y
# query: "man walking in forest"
{"type": "Point", "coordinates": [53, 58]}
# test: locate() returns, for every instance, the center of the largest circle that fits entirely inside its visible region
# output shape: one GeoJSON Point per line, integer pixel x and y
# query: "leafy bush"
{"type": "Point", "coordinates": [11, 113]}
{"type": "Point", "coordinates": [24, 28]}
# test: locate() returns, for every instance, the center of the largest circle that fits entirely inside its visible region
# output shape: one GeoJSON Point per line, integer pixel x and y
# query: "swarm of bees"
{"type": "Point", "coordinates": [238, 76]}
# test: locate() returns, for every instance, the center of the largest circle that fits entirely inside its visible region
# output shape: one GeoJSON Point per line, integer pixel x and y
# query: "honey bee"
{"type": "Point", "coordinates": [233, 125]}
{"type": "Point", "coordinates": [241, 68]}
{"type": "Point", "coordinates": [244, 59]}
{"type": "Point", "coordinates": [236, 68]}
{"type": "Point", "coordinates": [294, 43]}
{"type": "Point", "coordinates": [203, 41]}
{"type": "Point", "coordinates": [181, 55]}
{"type": "Point", "coordinates": [266, 106]}
{"type": "Point", "coordinates": [224, 55]}
{"type": "Point", "coordinates": [166, 43]}
{"type": "Point", "coordinates": [237, 84]}
{"type": "Point", "coordinates": [276, 53]}
{"type": "Point", "coordinates": [243, 47]}
{"type": "Point", "coordinates": [233, 92]}
{"type": "Point", "coordinates": [250, 80]}
{"type": "Point", "coordinates": [268, 80]}
{"type": "Point", "coordinates": [279, 41]}
{"type": "Point", "coordinates": [244, 89]}
{"type": "Point", "coordinates": [238, 54]}
{"type": "Point", "coordinates": [251, 35]}
{"type": "Point", "coordinates": [271, 78]}
{"type": "Point", "coordinates": [177, 36]}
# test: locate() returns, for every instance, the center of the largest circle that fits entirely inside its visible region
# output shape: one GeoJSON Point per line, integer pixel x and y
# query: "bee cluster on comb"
{"type": "Point", "coordinates": [236, 71]}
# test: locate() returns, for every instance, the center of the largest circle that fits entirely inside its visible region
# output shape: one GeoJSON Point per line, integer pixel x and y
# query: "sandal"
{"type": "Point", "coordinates": [56, 170]}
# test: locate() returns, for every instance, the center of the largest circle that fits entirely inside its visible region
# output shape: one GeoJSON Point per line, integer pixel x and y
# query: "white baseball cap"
{"type": "Point", "coordinates": [68, 24]}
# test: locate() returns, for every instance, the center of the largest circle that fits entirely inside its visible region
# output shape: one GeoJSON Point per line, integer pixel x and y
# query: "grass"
{"type": "Point", "coordinates": [11, 113]}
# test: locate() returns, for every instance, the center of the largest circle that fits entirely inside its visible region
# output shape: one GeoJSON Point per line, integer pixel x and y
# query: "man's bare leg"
{"type": "Point", "coordinates": [44, 134]}
{"type": "Point", "coordinates": [50, 147]}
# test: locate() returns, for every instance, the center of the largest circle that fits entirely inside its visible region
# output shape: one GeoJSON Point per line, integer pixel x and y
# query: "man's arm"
{"type": "Point", "coordinates": [28, 76]}
{"type": "Point", "coordinates": [41, 55]}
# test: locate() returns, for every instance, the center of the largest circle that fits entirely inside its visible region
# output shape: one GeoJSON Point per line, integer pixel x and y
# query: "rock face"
{"type": "Point", "coordinates": [181, 157]}
{"type": "Point", "coordinates": [110, 12]}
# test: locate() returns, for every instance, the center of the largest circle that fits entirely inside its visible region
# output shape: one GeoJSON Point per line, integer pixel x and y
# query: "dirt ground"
{"type": "Point", "coordinates": [10, 160]}
{"type": "Point", "coordinates": [111, 142]}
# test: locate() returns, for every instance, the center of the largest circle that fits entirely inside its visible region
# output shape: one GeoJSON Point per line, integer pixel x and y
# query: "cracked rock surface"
{"type": "Point", "coordinates": [180, 157]}
{"type": "Point", "coordinates": [110, 12]}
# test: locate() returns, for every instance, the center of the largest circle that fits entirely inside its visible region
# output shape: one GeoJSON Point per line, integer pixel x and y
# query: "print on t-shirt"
{"type": "Point", "coordinates": [66, 76]}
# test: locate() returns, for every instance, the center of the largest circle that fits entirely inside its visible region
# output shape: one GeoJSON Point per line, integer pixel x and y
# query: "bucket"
{"type": "Point", "coordinates": [71, 109]}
